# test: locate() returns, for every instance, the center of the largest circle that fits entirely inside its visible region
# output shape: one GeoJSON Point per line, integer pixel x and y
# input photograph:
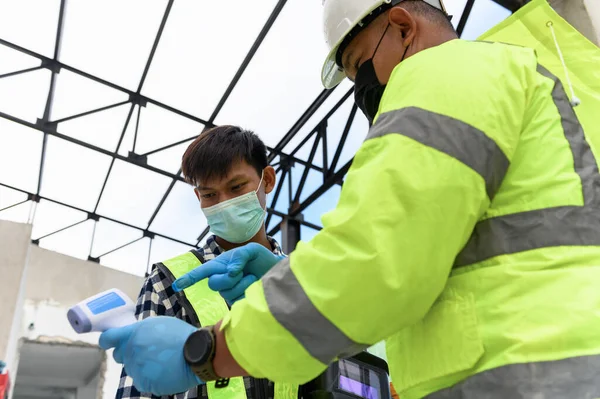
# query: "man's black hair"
{"type": "Point", "coordinates": [214, 151]}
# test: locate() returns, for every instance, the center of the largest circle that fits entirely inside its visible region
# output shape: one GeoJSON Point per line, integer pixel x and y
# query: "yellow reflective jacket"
{"type": "Point", "coordinates": [467, 233]}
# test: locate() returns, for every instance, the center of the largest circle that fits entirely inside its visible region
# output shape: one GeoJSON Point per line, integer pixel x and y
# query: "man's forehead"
{"type": "Point", "coordinates": [239, 170]}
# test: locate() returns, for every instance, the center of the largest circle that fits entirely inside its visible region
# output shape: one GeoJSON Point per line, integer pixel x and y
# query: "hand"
{"type": "Point", "coordinates": [251, 259]}
{"type": "Point", "coordinates": [151, 351]}
{"type": "Point", "coordinates": [232, 289]}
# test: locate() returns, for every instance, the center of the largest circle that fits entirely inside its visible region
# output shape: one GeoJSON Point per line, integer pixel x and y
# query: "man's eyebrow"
{"type": "Point", "coordinates": [234, 179]}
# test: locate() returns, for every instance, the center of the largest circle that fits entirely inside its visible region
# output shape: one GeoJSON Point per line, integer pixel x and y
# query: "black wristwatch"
{"type": "Point", "coordinates": [199, 352]}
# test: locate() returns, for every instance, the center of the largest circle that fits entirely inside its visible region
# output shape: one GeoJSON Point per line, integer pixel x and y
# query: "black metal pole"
{"type": "Point", "coordinates": [464, 17]}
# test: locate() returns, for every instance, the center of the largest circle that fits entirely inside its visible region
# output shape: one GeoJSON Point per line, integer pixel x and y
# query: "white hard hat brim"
{"type": "Point", "coordinates": [331, 73]}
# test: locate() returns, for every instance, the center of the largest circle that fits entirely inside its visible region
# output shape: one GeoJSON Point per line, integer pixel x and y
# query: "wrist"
{"type": "Point", "coordinates": [223, 363]}
{"type": "Point", "coordinates": [219, 360]}
{"type": "Point", "coordinates": [199, 352]}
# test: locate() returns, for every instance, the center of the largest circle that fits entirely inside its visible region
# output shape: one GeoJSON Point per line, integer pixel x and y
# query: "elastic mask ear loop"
{"type": "Point", "coordinates": [262, 176]}
{"type": "Point", "coordinates": [574, 100]}
{"type": "Point", "coordinates": [380, 40]}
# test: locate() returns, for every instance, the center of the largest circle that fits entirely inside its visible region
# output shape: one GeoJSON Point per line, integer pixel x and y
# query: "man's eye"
{"type": "Point", "coordinates": [238, 186]}
{"type": "Point", "coordinates": [209, 195]}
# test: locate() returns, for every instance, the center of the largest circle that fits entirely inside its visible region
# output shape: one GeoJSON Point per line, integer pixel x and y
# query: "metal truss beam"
{"type": "Point", "coordinates": [68, 118]}
{"type": "Point", "coordinates": [116, 155]}
{"type": "Point", "coordinates": [232, 84]}
{"type": "Point", "coordinates": [290, 234]}
{"type": "Point", "coordinates": [15, 73]}
{"type": "Point", "coordinates": [51, 63]}
{"type": "Point", "coordinates": [255, 46]}
{"type": "Point", "coordinates": [284, 173]}
{"type": "Point", "coordinates": [161, 28]}
{"type": "Point", "coordinates": [15, 204]}
{"type": "Point", "coordinates": [51, 132]}
{"type": "Point", "coordinates": [464, 17]}
{"type": "Point", "coordinates": [94, 216]}
{"type": "Point", "coordinates": [302, 120]}
{"type": "Point", "coordinates": [121, 247]}
{"type": "Point", "coordinates": [322, 130]}
{"type": "Point", "coordinates": [137, 95]}
{"type": "Point", "coordinates": [340, 147]}
{"type": "Point", "coordinates": [330, 177]}
{"type": "Point", "coordinates": [59, 230]}
{"type": "Point", "coordinates": [512, 5]}
{"type": "Point", "coordinates": [50, 99]}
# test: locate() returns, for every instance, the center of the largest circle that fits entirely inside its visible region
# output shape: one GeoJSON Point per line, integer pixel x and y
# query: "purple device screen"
{"type": "Point", "coordinates": [358, 388]}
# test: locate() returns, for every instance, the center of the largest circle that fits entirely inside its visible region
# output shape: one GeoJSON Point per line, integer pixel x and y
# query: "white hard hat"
{"type": "Point", "coordinates": [343, 20]}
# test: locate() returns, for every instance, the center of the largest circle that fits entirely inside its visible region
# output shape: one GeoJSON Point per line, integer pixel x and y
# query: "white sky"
{"type": "Point", "coordinates": [202, 46]}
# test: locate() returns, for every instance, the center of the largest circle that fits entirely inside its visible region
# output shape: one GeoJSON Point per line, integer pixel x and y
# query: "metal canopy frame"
{"type": "Point", "coordinates": [292, 220]}
{"type": "Point", "coordinates": [512, 5]}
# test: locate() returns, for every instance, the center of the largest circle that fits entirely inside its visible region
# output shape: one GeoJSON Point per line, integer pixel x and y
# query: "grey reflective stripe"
{"type": "Point", "coordinates": [455, 138]}
{"type": "Point", "coordinates": [550, 227]}
{"type": "Point", "coordinates": [577, 377]}
{"type": "Point", "coordinates": [585, 163]}
{"type": "Point", "coordinates": [524, 231]}
{"type": "Point", "coordinates": [293, 309]}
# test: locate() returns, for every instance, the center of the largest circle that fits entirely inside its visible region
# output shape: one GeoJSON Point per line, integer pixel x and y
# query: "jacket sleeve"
{"type": "Point", "coordinates": [416, 188]}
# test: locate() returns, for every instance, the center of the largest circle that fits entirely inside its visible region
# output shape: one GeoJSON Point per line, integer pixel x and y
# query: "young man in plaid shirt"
{"type": "Point", "coordinates": [222, 164]}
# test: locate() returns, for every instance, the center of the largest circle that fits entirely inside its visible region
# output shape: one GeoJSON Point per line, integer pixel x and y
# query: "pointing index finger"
{"type": "Point", "coordinates": [200, 273]}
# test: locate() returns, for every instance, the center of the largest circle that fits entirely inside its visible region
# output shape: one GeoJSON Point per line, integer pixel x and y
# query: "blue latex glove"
{"type": "Point", "coordinates": [151, 351]}
{"type": "Point", "coordinates": [231, 289]}
{"type": "Point", "coordinates": [251, 259]}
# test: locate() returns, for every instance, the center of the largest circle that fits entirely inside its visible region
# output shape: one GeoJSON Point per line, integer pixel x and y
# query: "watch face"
{"type": "Point", "coordinates": [198, 347]}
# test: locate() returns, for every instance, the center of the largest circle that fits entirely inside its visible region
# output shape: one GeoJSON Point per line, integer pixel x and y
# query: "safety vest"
{"type": "Point", "coordinates": [467, 232]}
{"type": "Point", "coordinates": [207, 307]}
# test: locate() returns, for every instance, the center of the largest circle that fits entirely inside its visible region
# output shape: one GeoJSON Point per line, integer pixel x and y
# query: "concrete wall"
{"type": "Point", "coordinates": [91, 390]}
{"type": "Point", "coordinates": [584, 15]}
{"type": "Point", "coordinates": [51, 283]}
{"type": "Point", "coordinates": [68, 280]}
{"type": "Point", "coordinates": [593, 9]}
{"type": "Point", "coordinates": [55, 282]}
{"type": "Point", "coordinates": [14, 251]}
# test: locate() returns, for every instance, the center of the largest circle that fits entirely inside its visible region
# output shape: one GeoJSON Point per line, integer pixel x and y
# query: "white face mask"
{"type": "Point", "coordinates": [237, 220]}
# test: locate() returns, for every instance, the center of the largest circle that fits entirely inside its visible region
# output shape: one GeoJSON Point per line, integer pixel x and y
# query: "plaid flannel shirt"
{"type": "Point", "coordinates": [157, 298]}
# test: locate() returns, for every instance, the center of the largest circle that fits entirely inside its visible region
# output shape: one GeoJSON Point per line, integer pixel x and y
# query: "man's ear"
{"type": "Point", "coordinates": [401, 20]}
{"type": "Point", "coordinates": [270, 179]}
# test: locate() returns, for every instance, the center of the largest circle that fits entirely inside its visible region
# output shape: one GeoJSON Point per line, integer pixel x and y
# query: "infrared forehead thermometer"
{"type": "Point", "coordinates": [108, 309]}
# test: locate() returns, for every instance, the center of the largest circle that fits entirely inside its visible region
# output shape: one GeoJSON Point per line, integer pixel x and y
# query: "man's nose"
{"type": "Point", "coordinates": [222, 197]}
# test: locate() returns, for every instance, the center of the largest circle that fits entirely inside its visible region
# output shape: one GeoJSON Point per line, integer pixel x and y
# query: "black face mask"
{"type": "Point", "coordinates": [367, 89]}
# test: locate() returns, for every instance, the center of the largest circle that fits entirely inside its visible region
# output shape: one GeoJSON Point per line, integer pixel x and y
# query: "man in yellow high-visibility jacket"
{"type": "Point", "coordinates": [467, 233]}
